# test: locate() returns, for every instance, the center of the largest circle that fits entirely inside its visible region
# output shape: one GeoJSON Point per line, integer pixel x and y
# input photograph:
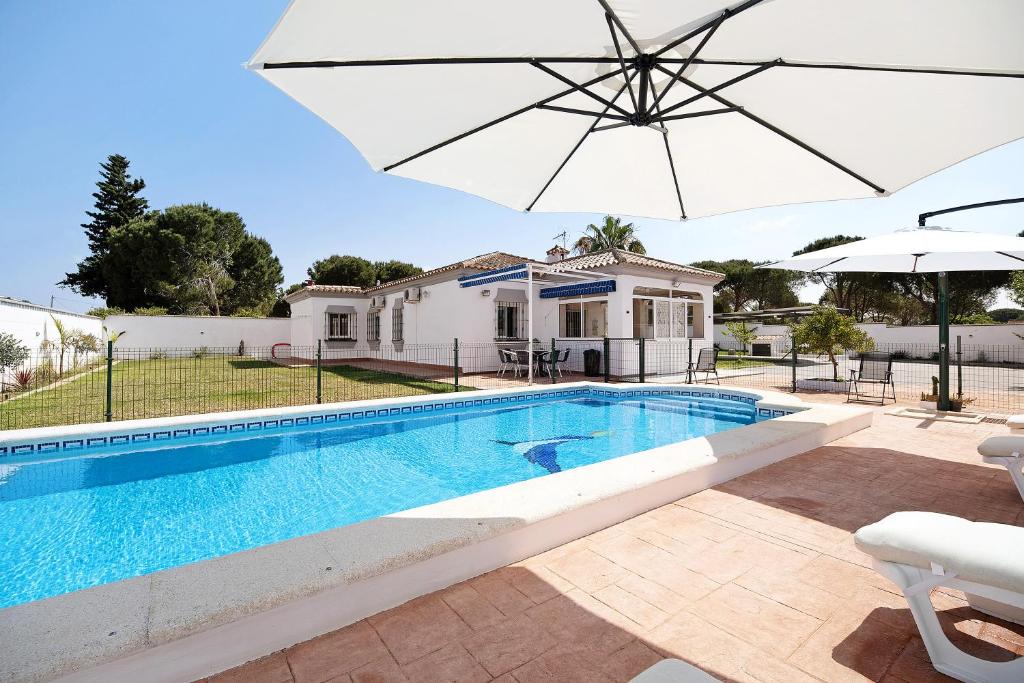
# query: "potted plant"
{"type": "Point", "coordinates": [931, 401]}
{"type": "Point", "coordinates": [827, 332]}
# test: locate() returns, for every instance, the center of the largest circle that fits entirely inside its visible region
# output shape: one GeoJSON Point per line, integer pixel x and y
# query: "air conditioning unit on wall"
{"type": "Point", "coordinates": [412, 295]}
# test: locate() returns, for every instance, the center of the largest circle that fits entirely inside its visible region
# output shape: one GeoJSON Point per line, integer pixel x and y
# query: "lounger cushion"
{"type": "Point", "coordinates": [1001, 446]}
{"type": "Point", "coordinates": [674, 671]}
{"type": "Point", "coordinates": [1015, 422]}
{"type": "Point", "coordinates": [986, 553]}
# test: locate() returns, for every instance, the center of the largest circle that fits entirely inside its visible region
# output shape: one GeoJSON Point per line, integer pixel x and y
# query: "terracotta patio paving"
{"type": "Point", "coordinates": [753, 580]}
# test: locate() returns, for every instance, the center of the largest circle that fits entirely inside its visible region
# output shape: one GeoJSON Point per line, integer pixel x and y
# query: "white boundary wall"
{"type": "Point", "coordinates": [32, 325]}
{"type": "Point", "coordinates": [1001, 341]}
{"type": "Point", "coordinates": [184, 331]}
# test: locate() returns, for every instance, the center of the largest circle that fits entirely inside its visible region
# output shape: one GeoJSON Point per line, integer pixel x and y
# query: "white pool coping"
{"type": "Point", "coordinates": [187, 622]}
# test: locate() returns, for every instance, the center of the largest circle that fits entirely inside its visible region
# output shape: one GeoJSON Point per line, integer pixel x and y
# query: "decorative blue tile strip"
{"type": "Point", "coordinates": [285, 422]}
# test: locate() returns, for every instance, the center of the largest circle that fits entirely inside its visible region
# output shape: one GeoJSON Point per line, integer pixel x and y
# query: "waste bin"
{"type": "Point", "coordinates": [592, 363]}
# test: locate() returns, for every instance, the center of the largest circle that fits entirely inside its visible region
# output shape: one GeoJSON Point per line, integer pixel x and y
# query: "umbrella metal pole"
{"type": "Point", "coordinates": [943, 301]}
{"type": "Point", "coordinates": [529, 322]}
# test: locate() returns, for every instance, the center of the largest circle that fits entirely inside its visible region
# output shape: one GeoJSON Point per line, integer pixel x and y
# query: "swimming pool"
{"type": "Point", "coordinates": [74, 519]}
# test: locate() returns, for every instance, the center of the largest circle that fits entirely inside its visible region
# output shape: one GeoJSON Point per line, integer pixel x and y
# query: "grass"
{"type": "Point", "coordinates": [739, 363]}
{"type": "Point", "coordinates": [186, 386]}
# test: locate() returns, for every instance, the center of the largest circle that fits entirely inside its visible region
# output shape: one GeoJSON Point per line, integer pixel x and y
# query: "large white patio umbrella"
{"type": "Point", "coordinates": [919, 250]}
{"type": "Point", "coordinates": [660, 108]}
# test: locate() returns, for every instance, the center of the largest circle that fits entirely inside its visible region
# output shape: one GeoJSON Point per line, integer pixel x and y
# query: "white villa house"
{"type": "Point", "coordinates": [500, 298]}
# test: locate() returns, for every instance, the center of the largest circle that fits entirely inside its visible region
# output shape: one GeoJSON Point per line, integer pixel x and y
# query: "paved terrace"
{"type": "Point", "coordinates": [753, 580]}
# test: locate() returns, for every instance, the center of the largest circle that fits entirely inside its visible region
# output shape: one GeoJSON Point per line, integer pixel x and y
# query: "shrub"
{"type": "Point", "coordinates": [741, 332]}
{"type": "Point", "coordinates": [981, 357]}
{"type": "Point", "coordinates": [103, 311]}
{"type": "Point", "coordinates": [200, 353]}
{"type": "Point", "coordinates": [157, 355]}
{"type": "Point", "coordinates": [827, 332]}
{"type": "Point", "coordinates": [23, 378]}
{"type": "Point", "coordinates": [241, 348]}
{"type": "Point", "coordinates": [12, 353]}
{"type": "Point", "coordinates": [150, 310]}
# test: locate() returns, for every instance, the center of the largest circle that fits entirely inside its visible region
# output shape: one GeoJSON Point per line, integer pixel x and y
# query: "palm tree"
{"type": "Point", "coordinates": [611, 234]}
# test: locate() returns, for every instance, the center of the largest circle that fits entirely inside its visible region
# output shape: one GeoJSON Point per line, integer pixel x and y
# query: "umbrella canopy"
{"type": "Point", "coordinates": [914, 250]}
{"type": "Point", "coordinates": [919, 250]}
{"type": "Point", "coordinates": [657, 108]}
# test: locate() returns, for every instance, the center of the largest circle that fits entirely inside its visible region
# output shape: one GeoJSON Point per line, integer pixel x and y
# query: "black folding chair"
{"type": "Point", "coordinates": [875, 368]}
{"type": "Point", "coordinates": [707, 362]}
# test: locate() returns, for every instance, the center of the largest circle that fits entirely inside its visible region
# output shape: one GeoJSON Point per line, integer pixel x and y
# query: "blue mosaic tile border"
{"type": "Point", "coordinates": [176, 433]}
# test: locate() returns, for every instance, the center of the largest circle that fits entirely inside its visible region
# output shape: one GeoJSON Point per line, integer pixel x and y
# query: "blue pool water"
{"type": "Point", "coordinates": [73, 522]}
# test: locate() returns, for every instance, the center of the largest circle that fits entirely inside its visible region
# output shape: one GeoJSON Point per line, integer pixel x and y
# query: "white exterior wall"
{"type": "Point", "coordinates": [33, 325]}
{"type": "Point", "coordinates": [1002, 340]}
{"type": "Point", "coordinates": [192, 332]}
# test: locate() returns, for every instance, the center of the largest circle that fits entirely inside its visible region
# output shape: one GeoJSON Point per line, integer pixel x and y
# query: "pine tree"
{"type": "Point", "coordinates": [117, 203]}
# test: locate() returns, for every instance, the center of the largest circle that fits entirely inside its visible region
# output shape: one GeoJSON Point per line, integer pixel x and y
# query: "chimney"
{"type": "Point", "coordinates": [556, 254]}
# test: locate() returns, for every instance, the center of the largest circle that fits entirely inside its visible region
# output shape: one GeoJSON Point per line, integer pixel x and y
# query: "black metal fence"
{"type": "Point", "coordinates": [132, 383]}
{"type": "Point", "coordinates": [986, 377]}
{"type": "Point", "coordinates": [140, 383]}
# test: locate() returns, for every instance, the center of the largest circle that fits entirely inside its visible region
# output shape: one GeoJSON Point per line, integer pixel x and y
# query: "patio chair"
{"type": "Point", "coordinates": [509, 361]}
{"type": "Point", "coordinates": [920, 551]}
{"type": "Point", "coordinates": [707, 362]}
{"type": "Point", "coordinates": [875, 368]}
{"type": "Point", "coordinates": [562, 359]}
{"type": "Point", "coordinates": [1006, 451]}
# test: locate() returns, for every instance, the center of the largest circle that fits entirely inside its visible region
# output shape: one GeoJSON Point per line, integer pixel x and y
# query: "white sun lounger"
{"type": "Point", "coordinates": [674, 671]}
{"type": "Point", "coordinates": [1015, 423]}
{"type": "Point", "coordinates": [920, 551]}
{"type": "Point", "coordinates": [1006, 451]}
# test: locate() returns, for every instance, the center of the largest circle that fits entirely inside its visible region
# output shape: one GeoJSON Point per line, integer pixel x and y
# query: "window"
{"type": "Point", "coordinates": [373, 326]}
{"type": "Point", "coordinates": [341, 326]}
{"type": "Point", "coordinates": [583, 318]}
{"type": "Point", "coordinates": [511, 320]}
{"type": "Point", "coordinates": [396, 324]}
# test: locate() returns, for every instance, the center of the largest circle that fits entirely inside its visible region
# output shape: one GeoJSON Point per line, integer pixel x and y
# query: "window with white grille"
{"type": "Point", "coordinates": [373, 326]}
{"type": "Point", "coordinates": [511, 320]}
{"type": "Point", "coordinates": [396, 324]}
{"type": "Point", "coordinates": [341, 326]}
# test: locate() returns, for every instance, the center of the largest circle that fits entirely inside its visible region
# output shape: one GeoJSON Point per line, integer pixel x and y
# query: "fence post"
{"type": "Point", "coordinates": [959, 369]}
{"type": "Point", "coordinates": [455, 360]}
{"type": "Point", "coordinates": [643, 353]}
{"type": "Point", "coordinates": [553, 361]}
{"type": "Point", "coordinates": [319, 383]}
{"type": "Point", "coordinates": [792, 349]}
{"type": "Point", "coordinates": [108, 412]}
{"type": "Point", "coordinates": [689, 360]}
{"type": "Point", "coordinates": [607, 359]}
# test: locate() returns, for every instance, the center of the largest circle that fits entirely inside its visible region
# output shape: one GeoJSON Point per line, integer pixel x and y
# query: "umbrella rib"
{"type": "Point", "coordinates": [855, 67]}
{"type": "Point", "coordinates": [579, 144]}
{"type": "Point", "coordinates": [697, 31]}
{"type": "Point", "coordinates": [498, 120]}
{"type": "Point", "coordinates": [582, 112]}
{"type": "Point", "coordinates": [690, 58]}
{"type": "Point", "coordinates": [721, 86]}
{"type": "Point", "coordinates": [622, 27]}
{"type": "Point", "coordinates": [576, 86]}
{"type": "Point", "coordinates": [668, 150]}
{"type": "Point", "coordinates": [696, 114]}
{"type": "Point", "coordinates": [622, 62]}
{"type": "Point", "coordinates": [432, 61]}
{"type": "Point", "coordinates": [778, 131]}
{"type": "Point", "coordinates": [610, 126]}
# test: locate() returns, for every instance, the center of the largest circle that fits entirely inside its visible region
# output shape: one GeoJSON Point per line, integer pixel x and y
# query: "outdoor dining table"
{"type": "Point", "coordinates": [539, 357]}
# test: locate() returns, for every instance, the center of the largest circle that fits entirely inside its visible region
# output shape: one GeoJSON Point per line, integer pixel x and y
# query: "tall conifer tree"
{"type": "Point", "coordinates": [117, 202]}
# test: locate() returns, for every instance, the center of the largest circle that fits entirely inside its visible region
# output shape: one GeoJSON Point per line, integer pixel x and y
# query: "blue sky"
{"type": "Point", "coordinates": [162, 83]}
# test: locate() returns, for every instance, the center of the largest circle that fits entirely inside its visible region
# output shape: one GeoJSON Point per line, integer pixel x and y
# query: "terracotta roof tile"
{"type": "Point", "coordinates": [610, 257]}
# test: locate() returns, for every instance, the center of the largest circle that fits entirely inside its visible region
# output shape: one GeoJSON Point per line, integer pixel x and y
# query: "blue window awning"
{"type": "Point", "coordinates": [578, 289]}
{"type": "Point", "coordinates": [516, 272]}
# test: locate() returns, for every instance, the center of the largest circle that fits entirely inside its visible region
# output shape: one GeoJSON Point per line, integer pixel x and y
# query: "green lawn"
{"type": "Point", "coordinates": [726, 363]}
{"type": "Point", "coordinates": [185, 386]}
